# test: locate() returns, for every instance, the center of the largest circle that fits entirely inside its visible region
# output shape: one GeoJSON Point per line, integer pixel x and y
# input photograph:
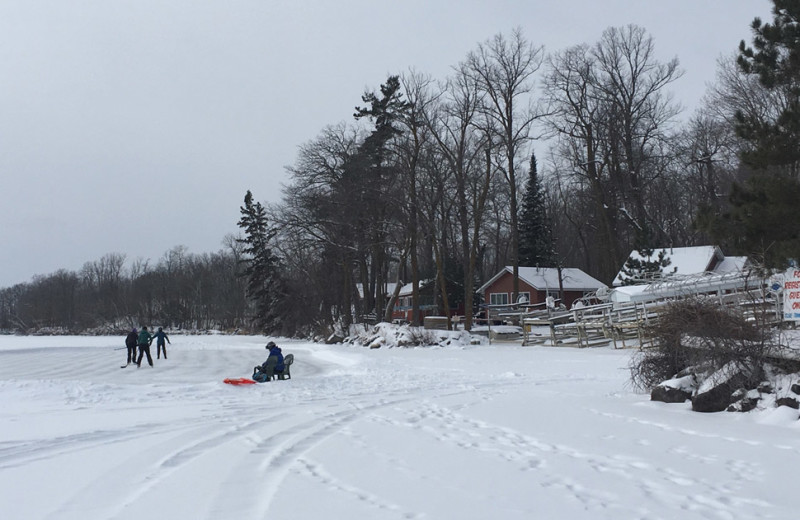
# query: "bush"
{"type": "Point", "coordinates": [701, 337]}
{"type": "Point", "coordinates": [421, 336]}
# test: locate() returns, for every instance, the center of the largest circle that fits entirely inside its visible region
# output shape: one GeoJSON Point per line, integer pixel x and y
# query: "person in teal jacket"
{"type": "Point", "coordinates": [160, 336]}
{"type": "Point", "coordinates": [145, 339]}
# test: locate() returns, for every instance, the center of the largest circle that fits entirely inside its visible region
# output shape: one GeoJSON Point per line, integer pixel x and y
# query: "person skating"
{"type": "Point", "coordinates": [130, 342]}
{"type": "Point", "coordinates": [160, 336]}
{"type": "Point", "coordinates": [145, 339]}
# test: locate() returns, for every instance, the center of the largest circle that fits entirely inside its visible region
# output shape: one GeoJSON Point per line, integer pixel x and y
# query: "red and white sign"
{"type": "Point", "coordinates": [791, 294]}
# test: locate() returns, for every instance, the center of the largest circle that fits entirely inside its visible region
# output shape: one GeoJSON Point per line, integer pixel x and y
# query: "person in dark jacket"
{"type": "Point", "coordinates": [275, 350]}
{"type": "Point", "coordinates": [160, 336]}
{"type": "Point", "coordinates": [130, 342]}
{"type": "Point", "coordinates": [262, 373]}
{"type": "Point", "coordinates": [145, 339]}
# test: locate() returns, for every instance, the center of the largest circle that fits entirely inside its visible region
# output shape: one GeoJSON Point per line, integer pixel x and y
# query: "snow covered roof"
{"type": "Point", "coordinates": [388, 289]}
{"type": "Point", "coordinates": [408, 288]}
{"type": "Point", "coordinates": [731, 264]}
{"type": "Point", "coordinates": [628, 293]}
{"type": "Point", "coordinates": [693, 260]}
{"type": "Point", "coordinates": [686, 285]}
{"type": "Point", "coordinates": [543, 278]}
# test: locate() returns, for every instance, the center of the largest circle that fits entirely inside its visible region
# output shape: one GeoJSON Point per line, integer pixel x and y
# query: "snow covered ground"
{"type": "Point", "coordinates": [459, 432]}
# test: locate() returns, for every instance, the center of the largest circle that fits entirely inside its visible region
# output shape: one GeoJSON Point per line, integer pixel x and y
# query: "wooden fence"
{"type": "Point", "coordinates": [629, 324]}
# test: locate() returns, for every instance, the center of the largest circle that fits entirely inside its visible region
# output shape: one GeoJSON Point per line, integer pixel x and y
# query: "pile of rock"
{"type": "Point", "coordinates": [730, 388]}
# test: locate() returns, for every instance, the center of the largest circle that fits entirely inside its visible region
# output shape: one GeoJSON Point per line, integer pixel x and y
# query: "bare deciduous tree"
{"type": "Point", "coordinates": [503, 68]}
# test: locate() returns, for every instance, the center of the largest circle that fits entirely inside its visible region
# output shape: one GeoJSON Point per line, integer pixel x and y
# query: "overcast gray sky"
{"type": "Point", "coordinates": [134, 126]}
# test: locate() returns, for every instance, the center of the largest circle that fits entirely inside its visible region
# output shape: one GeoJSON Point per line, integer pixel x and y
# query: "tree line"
{"type": "Point", "coordinates": [180, 291]}
{"type": "Point", "coordinates": [435, 183]}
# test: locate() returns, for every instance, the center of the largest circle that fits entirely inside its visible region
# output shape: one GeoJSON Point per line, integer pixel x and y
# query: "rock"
{"type": "Point", "coordinates": [749, 403]}
{"type": "Point", "coordinates": [739, 394]}
{"type": "Point", "coordinates": [715, 399]}
{"type": "Point", "coordinates": [766, 388]}
{"type": "Point", "coordinates": [745, 404]}
{"type": "Point", "coordinates": [796, 388]}
{"type": "Point", "coordinates": [791, 402]}
{"type": "Point", "coordinates": [721, 389]}
{"type": "Point", "coordinates": [334, 338]}
{"type": "Point", "coordinates": [667, 394]}
{"type": "Point", "coordinates": [675, 390]}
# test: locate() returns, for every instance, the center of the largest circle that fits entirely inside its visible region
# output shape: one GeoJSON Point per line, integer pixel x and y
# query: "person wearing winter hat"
{"type": "Point", "coordinates": [130, 342]}
{"type": "Point", "coordinates": [160, 336]}
{"type": "Point", "coordinates": [273, 364]}
{"type": "Point", "coordinates": [145, 339]}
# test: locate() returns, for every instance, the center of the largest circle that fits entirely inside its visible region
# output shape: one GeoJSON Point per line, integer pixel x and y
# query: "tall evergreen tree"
{"type": "Point", "coordinates": [535, 233]}
{"type": "Point", "coordinates": [775, 59]}
{"type": "Point", "coordinates": [264, 287]}
{"type": "Point", "coordinates": [385, 111]}
{"type": "Point", "coordinates": [377, 179]}
{"type": "Point", "coordinates": [760, 221]}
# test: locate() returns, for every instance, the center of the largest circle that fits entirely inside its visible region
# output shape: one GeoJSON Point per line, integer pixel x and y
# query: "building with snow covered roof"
{"type": "Point", "coordinates": [388, 289]}
{"type": "Point", "coordinates": [693, 260]}
{"type": "Point", "coordinates": [537, 283]}
{"type": "Point", "coordinates": [692, 271]}
{"type": "Point", "coordinates": [429, 302]}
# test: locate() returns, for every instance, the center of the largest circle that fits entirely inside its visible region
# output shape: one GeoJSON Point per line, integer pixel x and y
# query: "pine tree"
{"type": "Point", "coordinates": [760, 222]}
{"type": "Point", "coordinates": [264, 286]}
{"type": "Point", "coordinates": [385, 111]}
{"type": "Point", "coordinates": [376, 177]}
{"type": "Point", "coordinates": [645, 268]}
{"type": "Point", "coordinates": [535, 235]}
{"type": "Point", "coordinates": [775, 59]}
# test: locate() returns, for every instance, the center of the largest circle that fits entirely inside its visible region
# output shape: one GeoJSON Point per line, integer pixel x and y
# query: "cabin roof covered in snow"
{"type": "Point", "coordinates": [543, 278]}
{"type": "Point", "coordinates": [388, 289]}
{"type": "Point", "coordinates": [731, 264]}
{"type": "Point", "coordinates": [693, 260]}
{"type": "Point", "coordinates": [408, 289]}
{"type": "Point", "coordinates": [686, 285]}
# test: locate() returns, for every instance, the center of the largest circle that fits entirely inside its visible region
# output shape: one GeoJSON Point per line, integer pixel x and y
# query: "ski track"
{"type": "Point", "coordinates": [264, 447]}
{"type": "Point", "coordinates": [263, 452]}
{"type": "Point", "coordinates": [266, 451]}
{"type": "Point", "coordinates": [18, 454]}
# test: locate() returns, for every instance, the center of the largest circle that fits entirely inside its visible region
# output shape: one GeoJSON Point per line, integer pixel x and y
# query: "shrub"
{"type": "Point", "coordinates": [700, 336]}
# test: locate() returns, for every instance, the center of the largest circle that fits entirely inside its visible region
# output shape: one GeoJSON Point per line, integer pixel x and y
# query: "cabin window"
{"type": "Point", "coordinates": [524, 297]}
{"type": "Point", "coordinates": [498, 298]}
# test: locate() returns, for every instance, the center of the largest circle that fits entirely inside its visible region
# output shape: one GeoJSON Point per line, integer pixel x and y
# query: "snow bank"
{"type": "Point", "coordinates": [391, 335]}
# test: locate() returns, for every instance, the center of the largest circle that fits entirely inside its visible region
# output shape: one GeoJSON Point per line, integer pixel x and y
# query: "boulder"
{"type": "Point", "coordinates": [791, 402]}
{"type": "Point", "coordinates": [715, 399]}
{"type": "Point", "coordinates": [796, 388]}
{"type": "Point", "coordinates": [668, 394]}
{"type": "Point", "coordinates": [744, 401]}
{"type": "Point", "coordinates": [675, 390]}
{"type": "Point", "coordinates": [748, 403]}
{"type": "Point", "coordinates": [717, 392]}
{"type": "Point", "coordinates": [334, 338]}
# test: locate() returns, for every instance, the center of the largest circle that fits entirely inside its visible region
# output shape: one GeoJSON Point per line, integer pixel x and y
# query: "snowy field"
{"type": "Point", "coordinates": [475, 432]}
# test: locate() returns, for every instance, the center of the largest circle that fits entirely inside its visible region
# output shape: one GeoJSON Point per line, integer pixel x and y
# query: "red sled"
{"type": "Point", "coordinates": [239, 381]}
